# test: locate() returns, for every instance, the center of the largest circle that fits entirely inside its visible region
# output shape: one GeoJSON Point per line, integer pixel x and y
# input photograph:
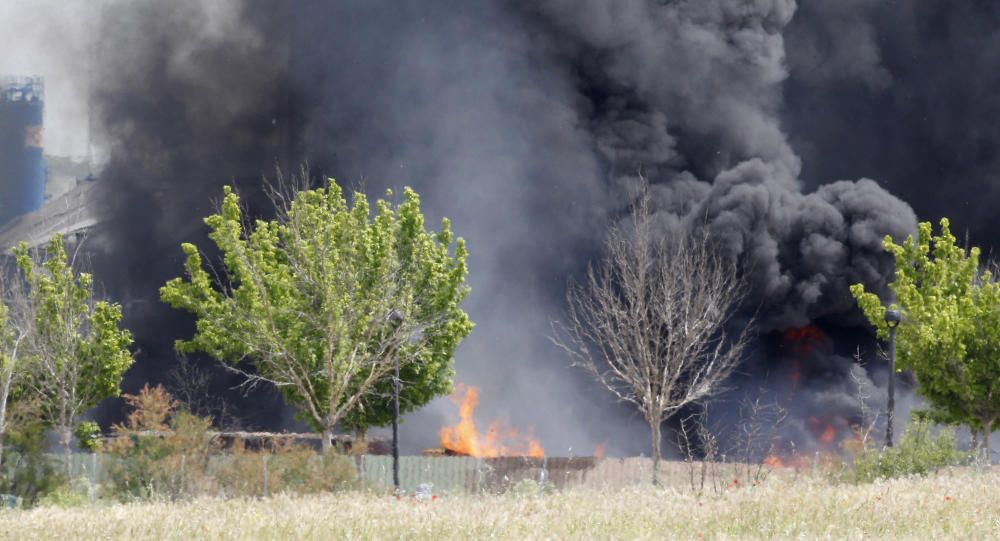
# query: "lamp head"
{"type": "Point", "coordinates": [893, 317]}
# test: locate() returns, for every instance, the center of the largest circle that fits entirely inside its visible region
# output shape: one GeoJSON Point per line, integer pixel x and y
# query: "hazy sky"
{"type": "Point", "coordinates": [50, 38]}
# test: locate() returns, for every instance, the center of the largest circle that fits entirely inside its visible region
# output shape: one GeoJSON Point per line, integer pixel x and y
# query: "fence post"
{"type": "Point", "coordinates": [92, 489]}
{"type": "Point", "coordinates": [544, 476]}
{"type": "Point", "coordinates": [362, 472]}
{"type": "Point", "coordinates": [263, 459]}
{"type": "Point", "coordinates": [479, 475]}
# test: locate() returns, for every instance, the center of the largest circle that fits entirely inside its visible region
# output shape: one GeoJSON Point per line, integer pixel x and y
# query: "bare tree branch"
{"type": "Point", "coordinates": [651, 321]}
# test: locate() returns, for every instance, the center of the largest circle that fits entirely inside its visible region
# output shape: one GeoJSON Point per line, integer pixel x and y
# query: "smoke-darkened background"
{"type": "Point", "coordinates": [526, 122]}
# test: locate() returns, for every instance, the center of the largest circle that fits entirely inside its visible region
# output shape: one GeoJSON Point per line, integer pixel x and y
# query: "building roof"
{"type": "Point", "coordinates": [70, 213]}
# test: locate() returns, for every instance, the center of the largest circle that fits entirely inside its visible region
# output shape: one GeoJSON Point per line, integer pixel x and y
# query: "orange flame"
{"type": "Point", "coordinates": [463, 437]}
{"type": "Point", "coordinates": [600, 449]}
{"type": "Point", "coordinates": [829, 433]}
{"type": "Point", "coordinates": [793, 461]}
{"type": "Point", "coordinates": [774, 461]}
{"type": "Point", "coordinates": [833, 435]}
{"type": "Point", "coordinates": [805, 340]}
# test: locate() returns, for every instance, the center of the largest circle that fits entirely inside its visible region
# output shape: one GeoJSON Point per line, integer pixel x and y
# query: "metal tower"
{"type": "Point", "coordinates": [22, 166]}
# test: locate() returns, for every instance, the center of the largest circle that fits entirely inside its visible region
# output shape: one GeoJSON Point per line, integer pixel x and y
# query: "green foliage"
{"type": "Point", "coordinates": [528, 488]}
{"type": "Point", "coordinates": [25, 469]}
{"type": "Point", "coordinates": [918, 453]}
{"type": "Point", "coordinates": [950, 335]}
{"type": "Point", "coordinates": [324, 298]}
{"type": "Point", "coordinates": [88, 436]}
{"type": "Point", "coordinates": [78, 351]}
{"type": "Point", "coordinates": [13, 333]}
{"type": "Point", "coordinates": [73, 494]}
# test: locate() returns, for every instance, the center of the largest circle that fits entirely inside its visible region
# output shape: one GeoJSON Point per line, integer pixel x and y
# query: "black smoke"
{"type": "Point", "coordinates": [527, 123]}
{"type": "Point", "coordinates": [188, 96]}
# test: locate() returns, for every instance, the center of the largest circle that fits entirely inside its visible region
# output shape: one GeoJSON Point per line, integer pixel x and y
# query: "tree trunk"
{"type": "Point", "coordinates": [975, 442]}
{"type": "Point", "coordinates": [986, 445]}
{"type": "Point", "coordinates": [654, 429]}
{"type": "Point", "coordinates": [327, 442]}
{"type": "Point", "coordinates": [3, 417]}
{"type": "Point", "coordinates": [66, 438]}
{"type": "Point", "coordinates": [987, 430]}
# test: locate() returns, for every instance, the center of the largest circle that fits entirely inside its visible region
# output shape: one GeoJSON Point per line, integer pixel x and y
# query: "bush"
{"type": "Point", "coordinates": [26, 471]}
{"type": "Point", "coordinates": [162, 452]}
{"type": "Point", "coordinates": [88, 435]}
{"type": "Point", "coordinates": [73, 494]}
{"type": "Point", "coordinates": [283, 468]}
{"type": "Point", "coordinates": [159, 451]}
{"type": "Point", "coordinates": [918, 453]}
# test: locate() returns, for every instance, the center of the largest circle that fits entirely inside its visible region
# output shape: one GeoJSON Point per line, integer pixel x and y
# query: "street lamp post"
{"type": "Point", "coordinates": [892, 319]}
{"type": "Point", "coordinates": [396, 318]}
{"type": "Point", "coordinates": [395, 423]}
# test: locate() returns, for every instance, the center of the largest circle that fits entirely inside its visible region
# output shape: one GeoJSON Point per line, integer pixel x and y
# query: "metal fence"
{"type": "Point", "coordinates": [446, 474]}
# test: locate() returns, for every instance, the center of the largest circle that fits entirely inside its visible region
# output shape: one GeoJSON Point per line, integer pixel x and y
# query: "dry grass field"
{"type": "Point", "coordinates": [958, 504]}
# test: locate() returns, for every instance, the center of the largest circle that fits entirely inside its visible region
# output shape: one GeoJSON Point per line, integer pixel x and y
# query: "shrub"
{"type": "Point", "coordinates": [283, 468]}
{"type": "Point", "coordinates": [73, 494]}
{"type": "Point", "coordinates": [918, 453]}
{"type": "Point", "coordinates": [26, 471]}
{"type": "Point", "coordinates": [162, 452]}
{"type": "Point", "coordinates": [529, 487]}
{"type": "Point", "coordinates": [88, 435]}
{"type": "Point", "coordinates": [159, 451]}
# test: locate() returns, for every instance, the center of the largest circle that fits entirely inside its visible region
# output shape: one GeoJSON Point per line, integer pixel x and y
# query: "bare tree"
{"type": "Point", "coordinates": [869, 416]}
{"type": "Point", "coordinates": [651, 320]}
{"type": "Point", "coordinates": [191, 384]}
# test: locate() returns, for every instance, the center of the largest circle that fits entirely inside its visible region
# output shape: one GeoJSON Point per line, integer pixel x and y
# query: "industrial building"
{"type": "Point", "coordinates": [36, 199]}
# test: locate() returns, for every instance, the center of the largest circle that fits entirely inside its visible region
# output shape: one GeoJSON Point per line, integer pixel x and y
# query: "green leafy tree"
{"type": "Point", "coordinates": [950, 335]}
{"type": "Point", "coordinates": [324, 299]}
{"type": "Point", "coordinates": [15, 327]}
{"type": "Point", "coordinates": [78, 350]}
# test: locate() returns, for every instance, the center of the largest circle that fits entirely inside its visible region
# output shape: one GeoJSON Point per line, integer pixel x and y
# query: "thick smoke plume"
{"type": "Point", "coordinates": [189, 96]}
{"type": "Point", "coordinates": [528, 123]}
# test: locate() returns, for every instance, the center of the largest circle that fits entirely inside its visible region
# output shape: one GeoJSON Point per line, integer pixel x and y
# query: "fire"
{"type": "Point", "coordinates": [795, 461]}
{"type": "Point", "coordinates": [601, 449]}
{"type": "Point", "coordinates": [829, 433]}
{"type": "Point", "coordinates": [824, 430]}
{"type": "Point", "coordinates": [805, 340]}
{"type": "Point", "coordinates": [464, 438]}
{"type": "Point", "coordinates": [833, 435]}
{"type": "Point", "coordinates": [774, 461]}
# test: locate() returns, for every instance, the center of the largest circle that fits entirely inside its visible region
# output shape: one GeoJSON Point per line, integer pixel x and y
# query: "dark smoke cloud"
{"type": "Point", "coordinates": [711, 72]}
{"type": "Point", "coordinates": [189, 96]}
{"type": "Point", "coordinates": [916, 109]}
{"type": "Point", "coordinates": [523, 108]}
{"type": "Point", "coordinates": [527, 123]}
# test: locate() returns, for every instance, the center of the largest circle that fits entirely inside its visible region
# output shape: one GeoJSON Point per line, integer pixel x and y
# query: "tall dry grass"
{"type": "Point", "coordinates": [955, 504]}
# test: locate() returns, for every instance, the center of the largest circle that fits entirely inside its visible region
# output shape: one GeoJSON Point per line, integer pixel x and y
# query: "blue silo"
{"type": "Point", "coordinates": [22, 165]}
